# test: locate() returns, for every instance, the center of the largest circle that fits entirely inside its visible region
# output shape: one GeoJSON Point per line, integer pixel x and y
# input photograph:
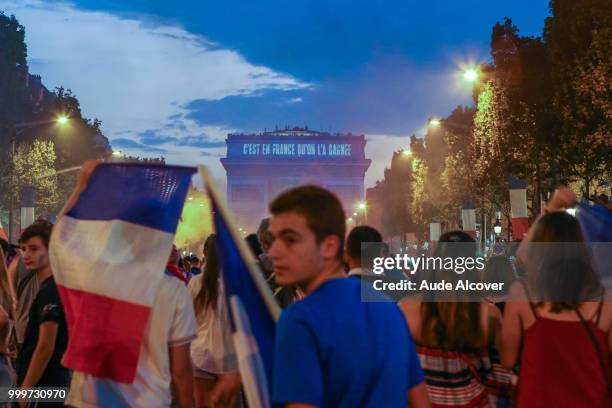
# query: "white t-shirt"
{"type": "Point", "coordinates": [172, 323]}
{"type": "Point", "coordinates": [213, 349]}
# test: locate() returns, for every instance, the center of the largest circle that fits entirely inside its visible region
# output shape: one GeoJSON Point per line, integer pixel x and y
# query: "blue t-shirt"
{"type": "Point", "coordinates": [333, 350]}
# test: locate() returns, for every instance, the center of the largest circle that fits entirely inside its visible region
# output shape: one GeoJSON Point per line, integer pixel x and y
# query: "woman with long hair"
{"type": "Point", "coordinates": [557, 323]}
{"type": "Point", "coordinates": [216, 381]}
{"type": "Point", "coordinates": [453, 331]}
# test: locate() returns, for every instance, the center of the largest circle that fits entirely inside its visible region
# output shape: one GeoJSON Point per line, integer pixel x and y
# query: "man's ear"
{"type": "Point", "coordinates": [329, 247]}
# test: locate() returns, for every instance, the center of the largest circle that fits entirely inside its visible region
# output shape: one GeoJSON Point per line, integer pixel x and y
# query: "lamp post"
{"type": "Point", "coordinates": [497, 228]}
{"type": "Point", "coordinates": [441, 123]}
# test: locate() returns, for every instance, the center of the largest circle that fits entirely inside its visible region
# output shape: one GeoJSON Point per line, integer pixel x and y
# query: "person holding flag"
{"type": "Point", "coordinates": [332, 348]}
{"type": "Point", "coordinates": [130, 322]}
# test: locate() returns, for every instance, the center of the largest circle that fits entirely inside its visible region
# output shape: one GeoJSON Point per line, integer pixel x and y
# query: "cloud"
{"type": "Point", "coordinates": [391, 95]}
{"type": "Point", "coordinates": [202, 141]}
{"type": "Point", "coordinates": [136, 77]}
{"type": "Point", "coordinates": [152, 138]}
{"type": "Point", "coordinates": [166, 88]}
{"type": "Point", "coordinates": [132, 144]}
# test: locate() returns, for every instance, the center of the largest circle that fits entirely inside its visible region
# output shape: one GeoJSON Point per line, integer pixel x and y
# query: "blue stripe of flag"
{"type": "Point", "coordinates": [238, 282]}
{"type": "Point", "coordinates": [596, 222]}
{"type": "Point", "coordinates": [147, 195]}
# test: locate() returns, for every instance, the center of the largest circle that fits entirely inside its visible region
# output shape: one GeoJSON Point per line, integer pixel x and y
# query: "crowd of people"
{"type": "Point", "coordinates": [333, 349]}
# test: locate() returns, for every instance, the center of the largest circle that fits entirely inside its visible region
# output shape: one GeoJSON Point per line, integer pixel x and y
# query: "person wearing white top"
{"type": "Point", "coordinates": [170, 330]}
{"type": "Point", "coordinates": [216, 379]}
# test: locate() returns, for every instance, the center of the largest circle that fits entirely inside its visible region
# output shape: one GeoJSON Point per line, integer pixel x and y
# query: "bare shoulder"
{"type": "Point", "coordinates": [411, 308]}
{"type": "Point", "coordinates": [606, 311]}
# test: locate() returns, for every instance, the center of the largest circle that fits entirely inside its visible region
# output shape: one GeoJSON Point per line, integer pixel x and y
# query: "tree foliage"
{"type": "Point", "coordinates": [542, 113]}
{"type": "Point", "coordinates": [28, 113]}
{"type": "Point", "coordinates": [34, 165]}
{"type": "Point", "coordinates": [396, 190]}
{"type": "Point", "coordinates": [578, 41]}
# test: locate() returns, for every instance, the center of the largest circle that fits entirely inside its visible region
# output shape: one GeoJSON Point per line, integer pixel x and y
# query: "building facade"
{"type": "Point", "coordinates": [260, 166]}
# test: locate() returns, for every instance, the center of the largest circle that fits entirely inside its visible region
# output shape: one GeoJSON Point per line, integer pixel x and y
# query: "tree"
{"type": "Point", "coordinates": [489, 180]}
{"type": "Point", "coordinates": [34, 165]}
{"type": "Point", "coordinates": [396, 217]}
{"type": "Point", "coordinates": [14, 100]}
{"type": "Point", "coordinates": [432, 200]}
{"type": "Point", "coordinates": [577, 36]}
{"type": "Point", "coordinates": [24, 100]}
{"type": "Point", "coordinates": [458, 163]}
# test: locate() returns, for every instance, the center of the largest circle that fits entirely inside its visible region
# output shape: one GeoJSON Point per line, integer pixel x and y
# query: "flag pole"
{"type": "Point", "coordinates": [68, 170]}
{"type": "Point", "coordinates": [245, 252]}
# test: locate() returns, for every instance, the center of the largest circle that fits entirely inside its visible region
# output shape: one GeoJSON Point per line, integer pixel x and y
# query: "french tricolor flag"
{"type": "Point", "coordinates": [468, 217]}
{"type": "Point", "coordinates": [108, 254]}
{"type": "Point", "coordinates": [518, 207]}
{"type": "Point", "coordinates": [253, 309]}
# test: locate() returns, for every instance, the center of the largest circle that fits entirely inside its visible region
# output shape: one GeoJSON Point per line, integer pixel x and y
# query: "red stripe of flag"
{"type": "Point", "coordinates": [120, 324]}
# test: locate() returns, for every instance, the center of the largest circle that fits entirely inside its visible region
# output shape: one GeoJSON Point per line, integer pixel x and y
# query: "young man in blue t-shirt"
{"type": "Point", "coordinates": [332, 348]}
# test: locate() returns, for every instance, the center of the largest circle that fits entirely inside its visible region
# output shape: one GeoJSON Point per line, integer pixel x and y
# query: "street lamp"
{"type": "Point", "coordinates": [434, 123]}
{"type": "Point", "coordinates": [62, 120]}
{"type": "Point", "coordinates": [449, 125]}
{"type": "Point", "coordinates": [497, 228]}
{"type": "Point", "coordinates": [470, 75]}
{"type": "Point", "coordinates": [406, 152]}
{"type": "Point", "coordinates": [117, 153]}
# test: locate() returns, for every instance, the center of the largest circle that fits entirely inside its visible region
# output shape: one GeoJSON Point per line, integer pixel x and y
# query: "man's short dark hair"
{"type": "Point", "coordinates": [321, 208]}
{"type": "Point", "coordinates": [359, 235]}
{"type": "Point", "coordinates": [39, 228]}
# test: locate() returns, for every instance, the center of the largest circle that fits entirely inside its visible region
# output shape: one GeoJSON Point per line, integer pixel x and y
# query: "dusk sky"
{"type": "Point", "coordinates": [172, 78]}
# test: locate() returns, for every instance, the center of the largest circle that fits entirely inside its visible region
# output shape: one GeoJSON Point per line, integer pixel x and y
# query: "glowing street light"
{"type": "Point", "coordinates": [363, 208]}
{"type": "Point", "coordinates": [497, 228]}
{"type": "Point", "coordinates": [117, 153]}
{"type": "Point", "coordinates": [470, 75]}
{"type": "Point", "coordinates": [434, 123]}
{"type": "Point", "coordinates": [62, 120]}
{"type": "Point", "coordinates": [406, 152]}
{"type": "Point", "coordinates": [350, 220]}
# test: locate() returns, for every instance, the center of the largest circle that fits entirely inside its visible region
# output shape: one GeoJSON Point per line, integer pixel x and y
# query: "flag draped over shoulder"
{"type": "Point", "coordinates": [108, 255]}
{"type": "Point", "coordinates": [253, 309]}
